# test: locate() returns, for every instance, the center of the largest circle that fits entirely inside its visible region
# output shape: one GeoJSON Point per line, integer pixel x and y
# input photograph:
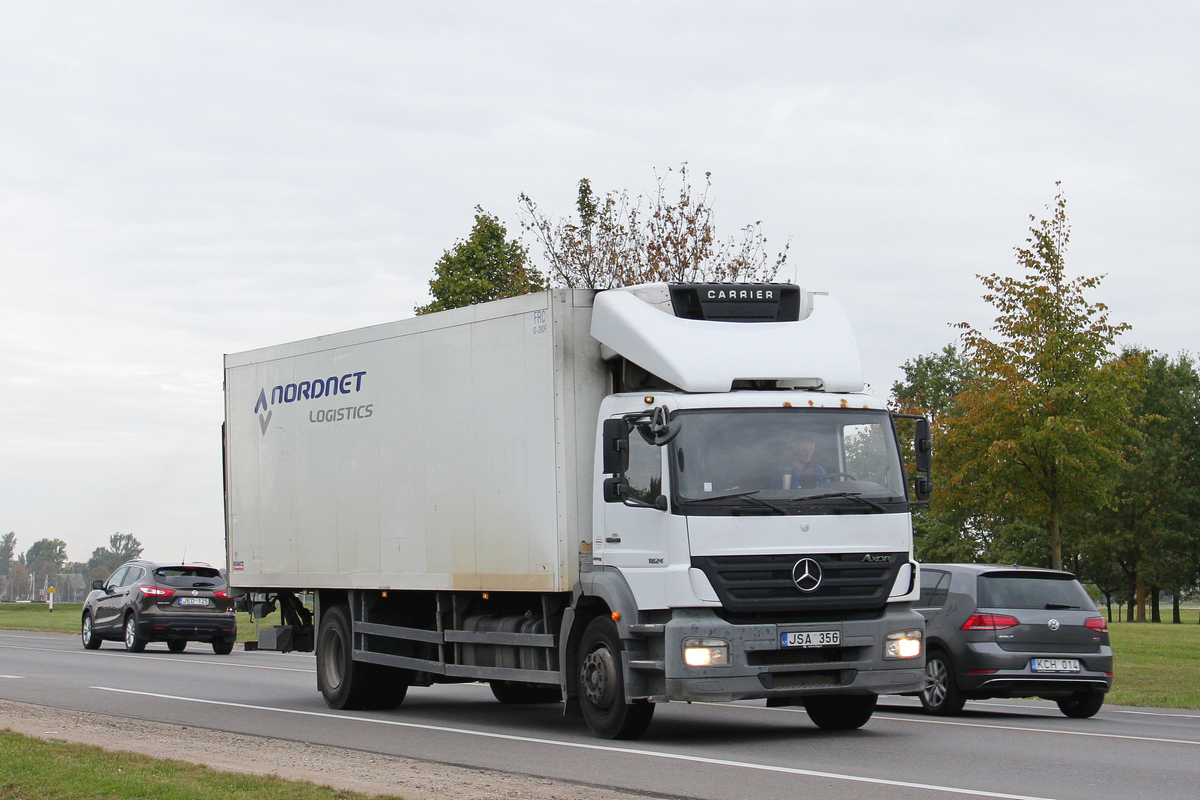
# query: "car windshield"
{"type": "Point", "coordinates": [1029, 591]}
{"type": "Point", "coordinates": [764, 460]}
{"type": "Point", "coordinates": [189, 577]}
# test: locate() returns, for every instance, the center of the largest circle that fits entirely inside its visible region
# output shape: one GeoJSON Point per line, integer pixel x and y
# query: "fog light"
{"type": "Point", "coordinates": [705, 652]}
{"type": "Point", "coordinates": [903, 644]}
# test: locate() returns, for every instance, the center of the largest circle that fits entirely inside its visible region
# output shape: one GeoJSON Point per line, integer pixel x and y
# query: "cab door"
{"type": "Point", "coordinates": [636, 534]}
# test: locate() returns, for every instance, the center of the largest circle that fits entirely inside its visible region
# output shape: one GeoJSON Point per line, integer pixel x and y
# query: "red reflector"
{"type": "Point", "coordinates": [990, 622]}
{"type": "Point", "coordinates": [156, 591]}
{"type": "Point", "coordinates": [1098, 624]}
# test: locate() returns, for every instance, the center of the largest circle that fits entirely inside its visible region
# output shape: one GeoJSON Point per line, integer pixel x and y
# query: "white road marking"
{"type": "Point", "coordinates": [719, 762]}
{"type": "Point", "coordinates": [13, 677]}
{"type": "Point", "coordinates": [164, 658]}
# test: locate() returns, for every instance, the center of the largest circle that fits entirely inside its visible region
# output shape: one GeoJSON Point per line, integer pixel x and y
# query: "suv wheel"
{"type": "Point", "coordinates": [88, 633]}
{"type": "Point", "coordinates": [940, 695]}
{"type": "Point", "coordinates": [222, 647]}
{"type": "Point", "coordinates": [176, 645]}
{"type": "Point", "coordinates": [134, 641]}
{"type": "Point", "coordinates": [1081, 705]}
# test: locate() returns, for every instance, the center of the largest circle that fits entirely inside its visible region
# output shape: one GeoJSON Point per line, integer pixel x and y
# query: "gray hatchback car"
{"type": "Point", "coordinates": [144, 601]}
{"type": "Point", "coordinates": [1011, 632]}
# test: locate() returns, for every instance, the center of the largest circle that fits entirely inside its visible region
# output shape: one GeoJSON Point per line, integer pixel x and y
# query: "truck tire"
{"type": "Point", "coordinates": [1081, 705]}
{"type": "Point", "coordinates": [348, 684]}
{"type": "Point", "coordinates": [134, 641]}
{"type": "Point", "coordinates": [940, 695]}
{"type": "Point", "coordinates": [516, 693]}
{"type": "Point", "coordinates": [87, 632]}
{"type": "Point", "coordinates": [602, 685]}
{"type": "Point", "coordinates": [840, 712]}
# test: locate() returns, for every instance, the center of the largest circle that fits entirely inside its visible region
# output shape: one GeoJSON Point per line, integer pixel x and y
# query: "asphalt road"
{"type": "Point", "coordinates": [1002, 749]}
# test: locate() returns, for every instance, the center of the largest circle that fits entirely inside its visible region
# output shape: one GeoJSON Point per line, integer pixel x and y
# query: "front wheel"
{"type": "Point", "coordinates": [602, 685]}
{"type": "Point", "coordinates": [840, 712]}
{"type": "Point", "coordinates": [940, 695]}
{"type": "Point", "coordinates": [87, 632]}
{"type": "Point", "coordinates": [134, 641]}
{"type": "Point", "coordinates": [1081, 705]}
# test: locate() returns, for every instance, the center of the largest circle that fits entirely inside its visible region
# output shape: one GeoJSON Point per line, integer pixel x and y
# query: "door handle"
{"type": "Point", "coordinates": [612, 539]}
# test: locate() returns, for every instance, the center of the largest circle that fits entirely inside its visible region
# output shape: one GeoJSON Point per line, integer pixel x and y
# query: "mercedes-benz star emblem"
{"type": "Point", "coordinates": [1053, 624]}
{"type": "Point", "coordinates": [807, 575]}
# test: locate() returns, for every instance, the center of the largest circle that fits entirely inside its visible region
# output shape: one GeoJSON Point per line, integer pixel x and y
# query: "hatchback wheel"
{"type": "Point", "coordinates": [88, 633]}
{"type": "Point", "coordinates": [940, 695]}
{"type": "Point", "coordinates": [134, 641]}
{"type": "Point", "coordinates": [1081, 705]}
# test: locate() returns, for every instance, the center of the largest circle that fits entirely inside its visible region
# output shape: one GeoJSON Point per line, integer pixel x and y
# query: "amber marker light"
{"type": "Point", "coordinates": [616, 616]}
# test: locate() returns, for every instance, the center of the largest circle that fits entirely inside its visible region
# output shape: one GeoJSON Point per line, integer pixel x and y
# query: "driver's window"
{"type": "Point", "coordinates": [118, 576]}
{"type": "Point", "coordinates": [645, 470]}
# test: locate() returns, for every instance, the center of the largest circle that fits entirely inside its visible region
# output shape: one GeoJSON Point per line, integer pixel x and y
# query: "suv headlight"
{"type": "Point", "coordinates": [705, 652]}
{"type": "Point", "coordinates": [903, 644]}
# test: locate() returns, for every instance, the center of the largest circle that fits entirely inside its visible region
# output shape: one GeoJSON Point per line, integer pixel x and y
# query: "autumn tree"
{"type": "Point", "coordinates": [669, 237]}
{"type": "Point", "coordinates": [480, 268]}
{"type": "Point", "coordinates": [1038, 431]}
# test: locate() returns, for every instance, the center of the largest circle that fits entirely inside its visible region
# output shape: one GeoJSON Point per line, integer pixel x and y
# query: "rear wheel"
{"type": "Point", "coordinates": [1081, 705]}
{"type": "Point", "coordinates": [88, 633]}
{"type": "Point", "coordinates": [176, 645]}
{"type": "Point", "coordinates": [840, 712]}
{"type": "Point", "coordinates": [514, 693]}
{"type": "Point", "coordinates": [940, 695]}
{"type": "Point", "coordinates": [602, 685]}
{"type": "Point", "coordinates": [221, 647]}
{"type": "Point", "coordinates": [349, 684]}
{"type": "Point", "coordinates": [134, 641]}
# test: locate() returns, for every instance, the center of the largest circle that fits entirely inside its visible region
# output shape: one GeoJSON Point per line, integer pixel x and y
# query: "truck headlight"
{"type": "Point", "coordinates": [903, 644]}
{"type": "Point", "coordinates": [705, 652]}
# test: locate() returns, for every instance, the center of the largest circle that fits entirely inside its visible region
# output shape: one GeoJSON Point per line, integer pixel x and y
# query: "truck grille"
{"type": "Point", "coordinates": [849, 581]}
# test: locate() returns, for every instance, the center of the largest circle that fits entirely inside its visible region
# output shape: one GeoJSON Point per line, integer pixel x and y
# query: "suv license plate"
{"type": "Point", "coordinates": [193, 601]}
{"type": "Point", "coordinates": [811, 639]}
{"type": "Point", "coordinates": [1054, 665]}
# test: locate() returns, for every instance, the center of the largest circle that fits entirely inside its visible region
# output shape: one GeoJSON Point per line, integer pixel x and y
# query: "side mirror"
{"type": "Point", "coordinates": [97, 584]}
{"type": "Point", "coordinates": [616, 490]}
{"type": "Point", "coordinates": [924, 489]}
{"type": "Point", "coordinates": [923, 445]}
{"type": "Point", "coordinates": [615, 435]}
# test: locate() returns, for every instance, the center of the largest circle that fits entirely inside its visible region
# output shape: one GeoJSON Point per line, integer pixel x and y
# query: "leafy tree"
{"type": "Point", "coordinates": [46, 556]}
{"type": "Point", "coordinates": [124, 546]}
{"type": "Point", "coordinates": [1038, 431]}
{"type": "Point", "coordinates": [481, 268]}
{"type": "Point", "coordinates": [932, 382]}
{"type": "Point", "coordinates": [618, 243]}
{"type": "Point", "coordinates": [8, 545]}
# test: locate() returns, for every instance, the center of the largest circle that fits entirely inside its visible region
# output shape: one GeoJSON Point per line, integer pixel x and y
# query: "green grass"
{"type": "Point", "coordinates": [66, 616]}
{"type": "Point", "coordinates": [1157, 665]}
{"type": "Point", "coordinates": [36, 769]}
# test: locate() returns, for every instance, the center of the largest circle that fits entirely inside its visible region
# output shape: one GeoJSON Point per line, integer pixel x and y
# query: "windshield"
{"type": "Point", "coordinates": [780, 457]}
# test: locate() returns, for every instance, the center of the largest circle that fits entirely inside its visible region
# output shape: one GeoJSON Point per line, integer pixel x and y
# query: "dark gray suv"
{"type": "Point", "coordinates": [144, 601]}
{"type": "Point", "coordinates": [1011, 632]}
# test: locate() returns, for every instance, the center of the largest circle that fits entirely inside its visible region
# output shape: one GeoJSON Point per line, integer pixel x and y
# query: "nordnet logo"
{"type": "Point", "coordinates": [350, 383]}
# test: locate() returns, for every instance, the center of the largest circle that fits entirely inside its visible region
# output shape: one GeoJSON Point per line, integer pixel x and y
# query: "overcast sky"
{"type": "Point", "coordinates": [179, 181]}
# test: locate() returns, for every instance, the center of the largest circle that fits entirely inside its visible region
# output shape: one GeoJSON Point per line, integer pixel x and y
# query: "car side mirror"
{"type": "Point", "coordinates": [97, 584]}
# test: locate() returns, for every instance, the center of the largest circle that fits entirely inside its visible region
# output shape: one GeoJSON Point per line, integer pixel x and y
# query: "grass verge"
{"type": "Point", "coordinates": [36, 769]}
{"type": "Point", "coordinates": [66, 617]}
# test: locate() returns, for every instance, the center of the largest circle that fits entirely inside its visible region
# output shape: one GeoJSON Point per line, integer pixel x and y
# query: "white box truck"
{"type": "Point", "coordinates": [609, 498]}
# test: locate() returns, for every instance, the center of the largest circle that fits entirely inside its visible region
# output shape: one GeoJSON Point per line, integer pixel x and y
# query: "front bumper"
{"type": "Point", "coordinates": [760, 668]}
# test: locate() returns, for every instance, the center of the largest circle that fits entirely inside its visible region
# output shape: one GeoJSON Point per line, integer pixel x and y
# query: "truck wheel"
{"type": "Point", "coordinates": [134, 641]}
{"type": "Point", "coordinates": [940, 695]}
{"type": "Point", "coordinates": [349, 684]}
{"type": "Point", "coordinates": [1081, 705]}
{"type": "Point", "coordinates": [844, 712]}
{"type": "Point", "coordinates": [88, 633]}
{"type": "Point", "coordinates": [602, 685]}
{"type": "Point", "coordinates": [515, 693]}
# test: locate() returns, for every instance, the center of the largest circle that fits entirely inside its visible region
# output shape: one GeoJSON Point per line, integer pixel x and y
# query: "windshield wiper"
{"type": "Point", "coordinates": [851, 495]}
{"type": "Point", "coordinates": [741, 496]}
